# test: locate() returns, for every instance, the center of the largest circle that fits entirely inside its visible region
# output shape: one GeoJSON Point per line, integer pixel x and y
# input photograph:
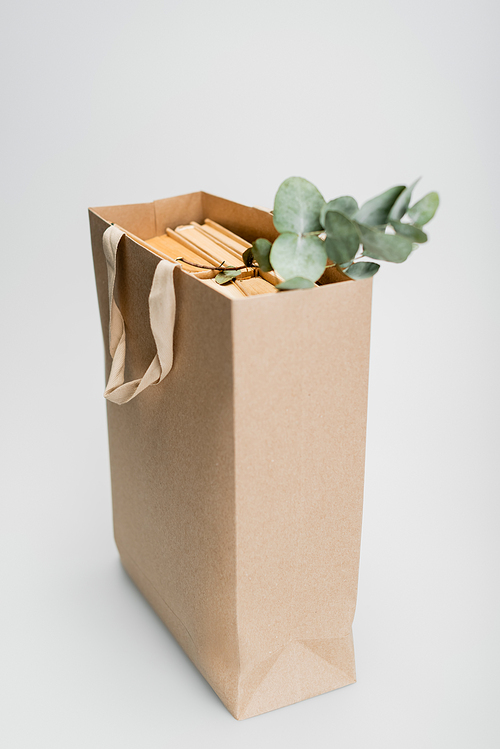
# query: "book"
{"type": "Point", "coordinates": [191, 253]}
{"type": "Point", "coordinates": [217, 229]}
{"type": "Point", "coordinates": [235, 249]}
{"type": "Point", "coordinates": [170, 249]}
{"type": "Point", "coordinates": [237, 245]}
{"type": "Point", "coordinates": [255, 286]}
{"type": "Point", "coordinates": [220, 233]}
{"type": "Point", "coordinates": [207, 245]}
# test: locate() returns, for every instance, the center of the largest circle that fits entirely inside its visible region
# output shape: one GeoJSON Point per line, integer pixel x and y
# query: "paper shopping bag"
{"type": "Point", "coordinates": [237, 443]}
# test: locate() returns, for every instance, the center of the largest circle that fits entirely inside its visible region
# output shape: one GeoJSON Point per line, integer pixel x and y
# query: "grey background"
{"type": "Point", "coordinates": [115, 102]}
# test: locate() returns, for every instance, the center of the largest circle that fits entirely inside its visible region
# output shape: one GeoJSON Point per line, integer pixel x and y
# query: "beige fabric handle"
{"type": "Point", "coordinates": [162, 320]}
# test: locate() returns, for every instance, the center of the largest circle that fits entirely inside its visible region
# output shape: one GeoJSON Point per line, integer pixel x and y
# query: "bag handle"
{"type": "Point", "coordinates": [162, 321]}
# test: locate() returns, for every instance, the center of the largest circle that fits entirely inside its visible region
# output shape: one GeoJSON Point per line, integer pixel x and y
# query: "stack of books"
{"type": "Point", "coordinates": [202, 248]}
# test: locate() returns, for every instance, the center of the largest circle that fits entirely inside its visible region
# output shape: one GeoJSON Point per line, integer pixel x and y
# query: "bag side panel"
{"type": "Point", "coordinates": [172, 467]}
{"type": "Point", "coordinates": [172, 464]}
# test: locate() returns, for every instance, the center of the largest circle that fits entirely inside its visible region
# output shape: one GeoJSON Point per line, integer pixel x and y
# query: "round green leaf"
{"type": "Point", "coordinates": [248, 257]}
{"type": "Point", "coordinates": [345, 205]}
{"type": "Point", "coordinates": [400, 207]}
{"type": "Point", "coordinates": [358, 271]}
{"type": "Point", "coordinates": [342, 237]}
{"type": "Point", "coordinates": [296, 283]}
{"type": "Point", "coordinates": [422, 212]}
{"type": "Point", "coordinates": [409, 231]}
{"type": "Point", "coordinates": [390, 247]}
{"type": "Point", "coordinates": [297, 206]}
{"type": "Point", "coordinates": [226, 276]}
{"type": "Point", "coordinates": [294, 255]}
{"type": "Point", "coordinates": [260, 250]}
{"type": "Point", "coordinates": [376, 211]}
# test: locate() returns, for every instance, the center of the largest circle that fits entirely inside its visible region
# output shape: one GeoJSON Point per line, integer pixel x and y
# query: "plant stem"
{"type": "Point", "coordinates": [220, 267]}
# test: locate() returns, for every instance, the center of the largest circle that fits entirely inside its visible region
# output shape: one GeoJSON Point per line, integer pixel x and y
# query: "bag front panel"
{"type": "Point", "coordinates": [300, 384]}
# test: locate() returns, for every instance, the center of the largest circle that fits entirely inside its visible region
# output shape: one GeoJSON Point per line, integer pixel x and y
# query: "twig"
{"type": "Point", "coordinates": [215, 267]}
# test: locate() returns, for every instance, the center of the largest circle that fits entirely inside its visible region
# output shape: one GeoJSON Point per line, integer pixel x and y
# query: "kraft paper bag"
{"type": "Point", "coordinates": [237, 446]}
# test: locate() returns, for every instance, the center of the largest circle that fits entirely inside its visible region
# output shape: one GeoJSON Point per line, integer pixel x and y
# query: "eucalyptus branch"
{"type": "Point", "coordinates": [312, 232]}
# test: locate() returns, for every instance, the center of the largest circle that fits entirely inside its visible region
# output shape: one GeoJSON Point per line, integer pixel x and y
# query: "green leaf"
{"type": "Point", "coordinates": [248, 257]}
{"type": "Point", "coordinates": [376, 211]}
{"type": "Point", "coordinates": [345, 205]}
{"type": "Point", "coordinates": [260, 251]}
{"type": "Point", "coordinates": [422, 212]}
{"type": "Point", "coordinates": [409, 231]}
{"type": "Point", "coordinates": [226, 276]}
{"type": "Point", "coordinates": [296, 283]}
{"type": "Point", "coordinates": [297, 206]}
{"type": "Point", "coordinates": [400, 207]}
{"type": "Point", "coordinates": [390, 247]}
{"type": "Point", "coordinates": [342, 237]}
{"type": "Point", "coordinates": [358, 271]}
{"type": "Point", "coordinates": [294, 255]}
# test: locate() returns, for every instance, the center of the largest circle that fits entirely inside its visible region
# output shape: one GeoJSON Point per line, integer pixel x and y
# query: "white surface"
{"type": "Point", "coordinates": [124, 102]}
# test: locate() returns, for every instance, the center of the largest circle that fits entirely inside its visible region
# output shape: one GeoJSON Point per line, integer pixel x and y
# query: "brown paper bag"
{"type": "Point", "coordinates": [237, 478]}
